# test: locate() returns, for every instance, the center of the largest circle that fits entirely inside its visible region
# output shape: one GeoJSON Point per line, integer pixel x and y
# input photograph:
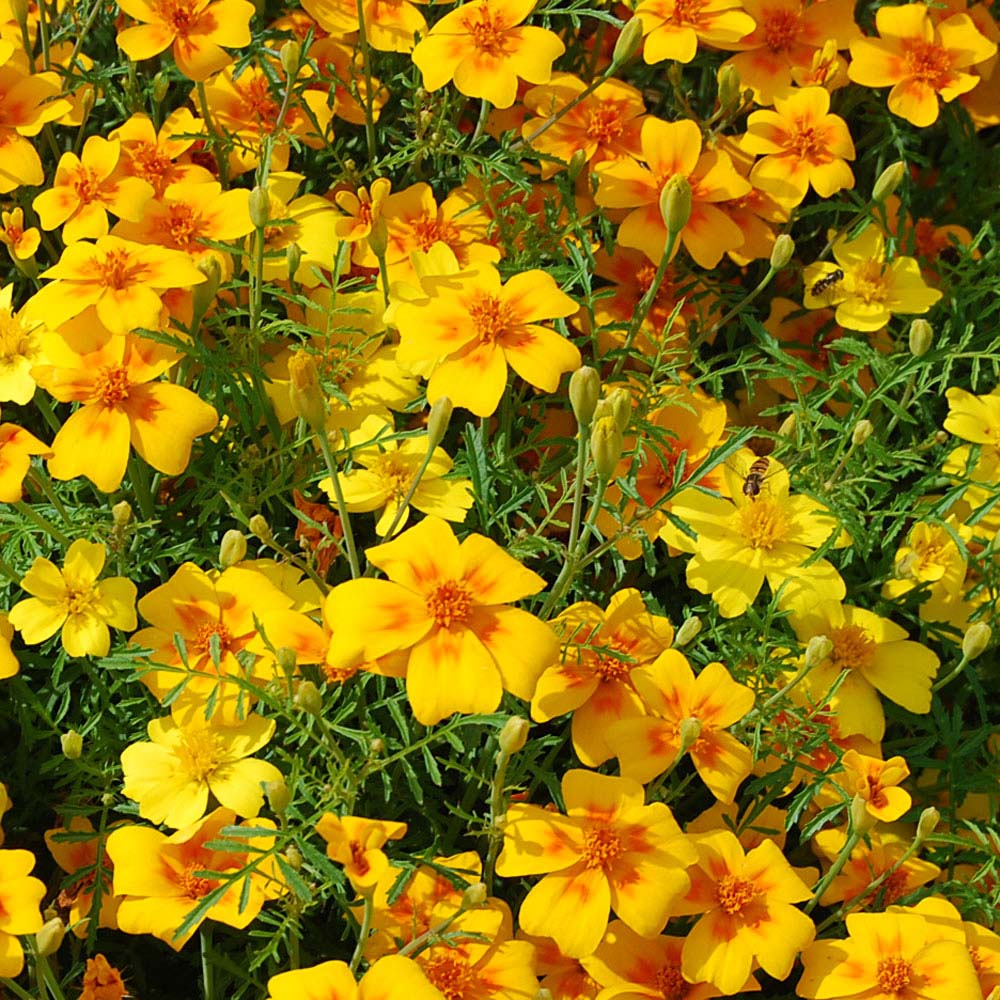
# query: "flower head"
{"type": "Point", "coordinates": [357, 844]}
{"type": "Point", "coordinates": [20, 898]}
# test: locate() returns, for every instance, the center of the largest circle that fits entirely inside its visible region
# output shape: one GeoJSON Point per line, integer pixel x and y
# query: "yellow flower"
{"type": "Point", "coordinates": [20, 350]}
{"type": "Point", "coordinates": [866, 288]}
{"type": "Point", "coordinates": [673, 28]}
{"type": "Point", "coordinates": [875, 782]}
{"type": "Point", "coordinates": [190, 758]}
{"type": "Point", "coordinates": [20, 897]}
{"type": "Point", "coordinates": [22, 243]}
{"type": "Point", "coordinates": [73, 601]}
{"type": "Point", "coordinates": [357, 844]}
{"type": "Point", "coordinates": [394, 977]}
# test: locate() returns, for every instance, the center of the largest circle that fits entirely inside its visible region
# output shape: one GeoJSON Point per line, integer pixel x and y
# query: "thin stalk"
{"type": "Point", "coordinates": [738, 308]}
{"type": "Point", "coordinates": [342, 512]}
{"type": "Point", "coordinates": [17, 991]}
{"type": "Point", "coordinates": [207, 977]}
{"type": "Point", "coordinates": [221, 160]}
{"type": "Point", "coordinates": [835, 869]}
{"type": "Point", "coordinates": [911, 385]}
{"type": "Point", "coordinates": [369, 102]}
{"type": "Point", "coordinates": [366, 926]}
{"type": "Point", "coordinates": [405, 503]}
{"type": "Point", "coordinates": [948, 678]}
{"type": "Point", "coordinates": [496, 810]}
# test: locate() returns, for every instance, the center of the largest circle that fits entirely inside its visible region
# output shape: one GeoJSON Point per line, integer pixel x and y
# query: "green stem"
{"type": "Point", "coordinates": [496, 809]}
{"type": "Point", "coordinates": [401, 510]}
{"type": "Point", "coordinates": [207, 979]}
{"type": "Point", "coordinates": [369, 102]}
{"type": "Point", "coordinates": [911, 384]}
{"type": "Point", "coordinates": [738, 308]}
{"type": "Point", "coordinates": [42, 522]}
{"type": "Point", "coordinates": [835, 870]}
{"type": "Point", "coordinates": [948, 678]}
{"type": "Point", "coordinates": [221, 160]}
{"type": "Point", "coordinates": [139, 475]}
{"type": "Point", "coordinates": [21, 994]}
{"type": "Point", "coordinates": [342, 512]}
{"type": "Point", "coordinates": [366, 926]}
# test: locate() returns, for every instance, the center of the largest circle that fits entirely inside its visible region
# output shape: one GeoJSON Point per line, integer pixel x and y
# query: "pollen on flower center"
{"type": "Point", "coordinates": [183, 228]}
{"type": "Point", "coordinates": [14, 342]}
{"type": "Point", "coordinates": [395, 474]}
{"type": "Point", "coordinates": [490, 316]}
{"type": "Point", "coordinates": [117, 270]}
{"type": "Point", "coordinates": [781, 28]}
{"type": "Point", "coordinates": [604, 123]}
{"type": "Point", "coordinates": [734, 893]}
{"type": "Point", "coordinates": [79, 600]}
{"type": "Point", "coordinates": [869, 282]}
{"type": "Point", "coordinates": [487, 33]}
{"type": "Point", "coordinates": [876, 794]}
{"type": "Point", "coordinates": [806, 141]}
{"type": "Point", "coordinates": [194, 886]}
{"type": "Point", "coordinates": [428, 231]}
{"type": "Point", "coordinates": [763, 524]}
{"type": "Point", "coordinates": [358, 859]}
{"type": "Point", "coordinates": [202, 640]}
{"type": "Point", "coordinates": [893, 974]}
{"type": "Point", "coordinates": [671, 983]}
{"type": "Point", "coordinates": [689, 12]}
{"type": "Point", "coordinates": [927, 61]}
{"type": "Point", "coordinates": [178, 15]}
{"type": "Point", "coordinates": [86, 185]}
{"type": "Point", "coordinates": [450, 603]}
{"type": "Point", "coordinates": [200, 753]}
{"type": "Point", "coordinates": [449, 975]}
{"type": "Point", "coordinates": [852, 647]}
{"type": "Point", "coordinates": [601, 847]}
{"type": "Point", "coordinates": [112, 385]}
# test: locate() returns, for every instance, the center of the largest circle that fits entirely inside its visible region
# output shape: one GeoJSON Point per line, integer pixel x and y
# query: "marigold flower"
{"type": "Point", "coordinates": [389, 26]}
{"type": "Point", "coordinates": [20, 897]}
{"type": "Point", "coordinates": [357, 844]}
{"type": "Point", "coordinates": [190, 758]}
{"type": "Point", "coordinates": [746, 900]}
{"type": "Point", "coordinates": [919, 59]}
{"type": "Point", "coordinates": [892, 954]}
{"type": "Point", "coordinates": [194, 29]}
{"type": "Point", "coordinates": [609, 852]}
{"type": "Point", "coordinates": [444, 604]}
{"type": "Point", "coordinates": [102, 981]}
{"type": "Point", "coordinates": [876, 781]}
{"type": "Point", "coordinates": [390, 978]}
{"type": "Point", "coordinates": [803, 145]}
{"type": "Point", "coordinates": [673, 28]}
{"type": "Point", "coordinates": [73, 602]}
{"type": "Point", "coordinates": [866, 288]}
{"type": "Point", "coordinates": [592, 677]}
{"type": "Point", "coordinates": [673, 149]}
{"type": "Point", "coordinates": [483, 47]}
{"type": "Point", "coordinates": [9, 666]}
{"type": "Point", "coordinates": [743, 541]}
{"type": "Point", "coordinates": [124, 406]}
{"type": "Point", "coordinates": [161, 878]}
{"type": "Point", "coordinates": [21, 243]}
{"type": "Point", "coordinates": [76, 848]}
{"type": "Point", "coordinates": [647, 746]}
{"type": "Point", "coordinates": [474, 326]}
{"type": "Point", "coordinates": [20, 350]}
{"type": "Point", "coordinates": [86, 188]}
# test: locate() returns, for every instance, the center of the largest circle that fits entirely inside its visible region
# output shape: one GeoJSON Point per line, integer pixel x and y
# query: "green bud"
{"type": "Point", "coordinates": [976, 639]}
{"type": "Point", "coordinates": [787, 428]}
{"type": "Point", "coordinates": [278, 796]}
{"type": "Point", "coordinates": [606, 444]}
{"type": "Point", "coordinates": [782, 252]}
{"type": "Point", "coordinates": [921, 337]}
{"type": "Point", "coordinates": [688, 632]}
{"type": "Point", "coordinates": [689, 732]}
{"type": "Point", "coordinates": [888, 181]}
{"type": "Point", "coordinates": [576, 164]}
{"type": "Point", "coordinates": [308, 698]}
{"type": "Point", "coordinates": [438, 421]}
{"type": "Point", "coordinates": [293, 256]}
{"type": "Point", "coordinates": [294, 857]}
{"type": "Point", "coordinates": [121, 514]}
{"type": "Point", "coordinates": [584, 393]}
{"type": "Point", "coordinates": [259, 528]}
{"type": "Point", "coordinates": [514, 735]}
{"type": "Point", "coordinates": [861, 819]}
{"type": "Point", "coordinates": [72, 744]}
{"type": "Point", "coordinates": [259, 204]}
{"type": "Point", "coordinates": [629, 40]}
{"type": "Point", "coordinates": [49, 939]}
{"type": "Point", "coordinates": [818, 649]}
{"type": "Point", "coordinates": [287, 659]}
{"type": "Point", "coordinates": [232, 548]}
{"type": "Point", "coordinates": [161, 87]}
{"type": "Point", "coordinates": [862, 432]}
{"type": "Point", "coordinates": [675, 203]}
{"type": "Point", "coordinates": [290, 55]}
{"type": "Point", "coordinates": [927, 823]}
{"type": "Point", "coordinates": [305, 392]}
{"type": "Point", "coordinates": [474, 895]}
{"type": "Point", "coordinates": [728, 79]}
{"type": "Point", "coordinates": [203, 294]}
{"type": "Point", "coordinates": [378, 238]}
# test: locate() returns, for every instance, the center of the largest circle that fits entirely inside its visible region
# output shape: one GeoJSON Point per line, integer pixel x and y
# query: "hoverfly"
{"type": "Point", "coordinates": [826, 283]}
{"type": "Point", "coordinates": [754, 478]}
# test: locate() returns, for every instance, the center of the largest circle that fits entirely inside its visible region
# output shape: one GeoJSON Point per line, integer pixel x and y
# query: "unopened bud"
{"type": "Point", "coordinates": [308, 698]}
{"type": "Point", "coordinates": [675, 203]}
{"type": "Point", "coordinates": [294, 857]}
{"type": "Point", "coordinates": [259, 528]}
{"type": "Point", "coordinates": [862, 432]}
{"type": "Point", "coordinates": [259, 205]}
{"type": "Point", "coordinates": [688, 632]}
{"type": "Point", "coordinates": [161, 87]}
{"type": "Point", "coordinates": [72, 744]}
{"type": "Point", "coordinates": [787, 428]}
{"type": "Point", "coordinates": [121, 514]}
{"type": "Point", "coordinates": [232, 548]}
{"type": "Point", "coordinates": [921, 337]}
{"type": "Point", "coordinates": [927, 823]}
{"type": "Point", "coordinates": [976, 639]}
{"type": "Point", "coordinates": [542, 994]}
{"type": "Point", "coordinates": [278, 796]}
{"type": "Point", "coordinates": [689, 732]}
{"type": "Point", "coordinates": [888, 181]}
{"type": "Point", "coordinates": [474, 895]}
{"type": "Point", "coordinates": [861, 819]}
{"type": "Point", "coordinates": [287, 659]}
{"type": "Point", "coordinates": [606, 444]}
{"type": "Point", "coordinates": [438, 420]}
{"type": "Point", "coordinates": [20, 8]}
{"type": "Point", "coordinates": [629, 40]}
{"type": "Point", "coordinates": [376, 746]}
{"type": "Point", "coordinates": [514, 735]}
{"type": "Point", "coordinates": [576, 164]}
{"type": "Point", "coordinates": [378, 238]}
{"type": "Point", "coordinates": [304, 391]}
{"type": "Point", "coordinates": [619, 403]}
{"type": "Point", "coordinates": [50, 937]}
{"type": "Point", "coordinates": [782, 252]}
{"type": "Point", "coordinates": [818, 649]}
{"type": "Point", "coordinates": [203, 294]}
{"type": "Point", "coordinates": [584, 392]}
{"type": "Point", "coordinates": [905, 567]}
{"type": "Point", "coordinates": [729, 86]}
{"type": "Point", "coordinates": [941, 437]}
{"type": "Point", "coordinates": [290, 55]}
{"type": "Point", "coordinates": [293, 256]}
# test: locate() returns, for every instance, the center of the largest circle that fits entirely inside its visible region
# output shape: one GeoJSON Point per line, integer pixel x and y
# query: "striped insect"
{"type": "Point", "coordinates": [826, 283]}
{"type": "Point", "coordinates": [754, 479]}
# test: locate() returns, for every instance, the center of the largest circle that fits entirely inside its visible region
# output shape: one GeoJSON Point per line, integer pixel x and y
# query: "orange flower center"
{"type": "Point", "coordinates": [601, 847]}
{"type": "Point", "coordinates": [15, 343]}
{"type": "Point", "coordinates": [202, 640]}
{"type": "Point", "coordinates": [358, 860]}
{"type": "Point", "coordinates": [80, 600]}
{"type": "Point", "coordinates": [428, 231]}
{"type": "Point", "coordinates": [669, 981]}
{"type": "Point", "coordinates": [876, 793]}
{"type": "Point", "coordinates": [112, 384]}
{"type": "Point", "coordinates": [604, 124]}
{"type": "Point", "coordinates": [853, 647]}
{"type": "Point", "coordinates": [118, 270]}
{"type": "Point", "coordinates": [870, 282]}
{"type": "Point", "coordinates": [260, 104]}
{"type": "Point", "coordinates": [490, 317]}
{"type": "Point", "coordinates": [763, 524]}
{"type": "Point", "coordinates": [200, 752]}
{"type": "Point", "coordinates": [893, 975]}
{"type": "Point", "coordinates": [689, 12]}
{"type": "Point", "coordinates": [194, 886]}
{"type": "Point", "coordinates": [179, 15]}
{"type": "Point", "coordinates": [893, 888]}
{"type": "Point", "coordinates": [182, 228]}
{"type": "Point", "coordinates": [450, 603]}
{"type": "Point", "coordinates": [927, 61]}
{"type": "Point", "coordinates": [734, 894]}
{"type": "Point", "coordinates": [395, 475]}
{"type": "Point", "coordinates": [781, 29]}
{"type": "Point", "coordinates": [450, 975]}
{"type": "Point", "coordinates": [86, 185]}
{"type": "Point", "coordinates": [806, 141]}
{"type": "Point", "coordinates": [150, 163]}
{"type": "Point", "coordinates": [488, 33]}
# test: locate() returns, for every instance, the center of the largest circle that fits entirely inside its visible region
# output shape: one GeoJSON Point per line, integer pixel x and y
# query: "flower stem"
{"type": "Point", "coordinates": [496, 809]}
{"type": "Point", "coordinates": [948, 678]}
{"type": "Point", "coordinates": [835, 870]}
{"type": "Point", "coordinates": [342, 512]}
{"type": "Point", "coordinates": [366, 926]}
{"type": "Point", "coordinates": [369, 102]}
{"type": "Point", "coordinates": [207, 978]}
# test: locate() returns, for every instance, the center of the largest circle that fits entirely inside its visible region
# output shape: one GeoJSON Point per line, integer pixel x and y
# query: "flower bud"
{"type": "Point", "coordinates": [584, 393]}
{"type": "Point", "coordinates": [293, 257]}
{"type": "Point", "coordinates": [782, 252]}
{"type": "Point", "coordinates": [290, 55]}
{"type": "Point", "coordinates": [888, 181]}
{"type": "Point", "coordinates": [50, 937]}
{"type": "Point", "coordinates": [287, 659]}
{"type": "Point", "coordinates": [438, 420]}
{"type": "Point", "coordinates": [629, 40]}
{"type": "Point", "coordinates": [620, 404]}
{"type": "Point", "coordinates": [308, 698]}
{"type": "Point", "coordinates": [376, 746]}
{"type": "Point", "coordinates": [904, 568]}
{"type": "Point", "coordinates": [861, 819]}
{"type": "Point", "coordinates": [787, 428]}
{"type": "Point", "coordinates": [689, 732]}
{"type": "Point", "coordinates": [689, 630]}
{"type": "Point", "coordinates": [474, 895]}
{"type": "Point", "coordinates": [514, 735]}
{"type": "Point", "coordinates": [862, 432]}
{"type": "Point", "coordinates": [259, 205]}
{"type": "Point", "coordinates": [818, 649]}
{"type": "Point", "coordinates": [121, 514]}
{"type": "Point", "coordinates": [576, 164]}
{"type": "Point", "coordinates": [728, 78]}
{"type": "Point", "coordinates": [378, 238]}
{"type": "Point", "coordinates": [606, 444]}
{"type": "Point", "coordinates": [675, 203]}
{"type": "Point", "coordinates": [927, 823]}
{"type": "Point", "coordinates": [161, 87]}
{"type": "Point", "coordinates": [304, 391]}
{"type": "Point", "coordinates": [294, 857]}
{"type": "Point", "coordinates": [921, 337]}
{"type": "Point", "coordinates": [976, 639]}
{"type": "Point", "coordinates": [259, 528]}
{"type": "Point", "coordinates": [72, 744]}
{"type": "Point", "coordinates": [278, 796]}
{"type": "Point", "coordinates": [232, 548]}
